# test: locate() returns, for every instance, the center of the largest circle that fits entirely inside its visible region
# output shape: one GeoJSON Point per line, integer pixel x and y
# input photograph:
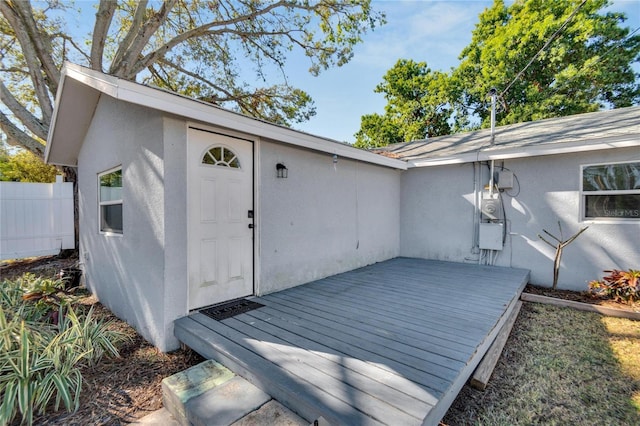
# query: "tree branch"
{"type": "Point", "coordinates": [570, 240]}
{"type": "Point", "coordinates": [204, 29]}
{"type": "Point", "coordinates": [31, 58]}
{"type": "Point", "coordinates": [68, 38]}
{"type": "Point", "coordinates": [552, 236]}
{"type": "Point", "coordinates": [104, 17]}
{"type": "Point", "coordinates": [41, 44]}
{"type": "Point", "coordinates": [552, 245]}
{"type": "Point", "coordinates": [24, 115]}
{"type": "Point", "coordinates": [198, 77]}
{"type": "Point", "coordinates": [136, 24]}
{"type": "Point", "coordinates": [17, 137]}
{"type": "Point", "coordinates": [131, 56]}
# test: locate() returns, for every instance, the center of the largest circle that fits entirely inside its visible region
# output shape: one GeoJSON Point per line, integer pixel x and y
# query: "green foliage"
{"type": "Point", "coordinates": [40, 361]}
{"type": "Point", "coordinates": [378, 130]}
{"type": "Point", "coordinates": [25, 167]}
{"type": "Point", "coordinates": [587, 66]}
{"type": "Point", "coordinates": [618, 285]}
{"type": "Point", "coordinates": [418, 106]}
{"type": "Point", "coordinates": [220, 51]}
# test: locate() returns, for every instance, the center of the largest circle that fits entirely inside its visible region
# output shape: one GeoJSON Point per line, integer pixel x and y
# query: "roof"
{"type": "Point", "coordinates": [608, 129]}
{"type": "Point", "coordinates": [80, 90]}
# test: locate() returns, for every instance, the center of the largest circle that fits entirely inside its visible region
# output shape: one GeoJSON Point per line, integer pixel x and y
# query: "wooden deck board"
{"type": "Point", "coordinates": [412, 312]}
{"type": "Point", "coordinates": [305, 366]}
{"type": "Point", "coordinates": [388, 326]}
{"type": "Point", "coordinates": [430, 382]}
{"type": "Point", "coordinates": [374, 396]}
{"type": "Point", "coordinates": [391, 343]}
{"type": "Point", "coordinates": [375, 372]}
{"type": "Point", "coordinates": [373, 342]}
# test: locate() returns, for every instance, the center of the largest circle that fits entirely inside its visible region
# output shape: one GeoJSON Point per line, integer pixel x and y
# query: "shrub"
{"type": "Point", "coordinates": [618, 285]}
{"type": "Point", "coordinates": [40, 359]}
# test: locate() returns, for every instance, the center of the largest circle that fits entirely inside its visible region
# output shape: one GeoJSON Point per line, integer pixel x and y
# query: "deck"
{"type": "Point", "coordinates": [391, 343]}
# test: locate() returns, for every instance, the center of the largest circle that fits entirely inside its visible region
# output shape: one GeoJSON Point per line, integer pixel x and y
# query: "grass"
{"type": "Point", "coordinates": [560, 366]}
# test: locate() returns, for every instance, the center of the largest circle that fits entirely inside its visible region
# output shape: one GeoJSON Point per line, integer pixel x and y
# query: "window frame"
{"type": "Point", "coordinates": [584, 193]}
{"type": "Point", "coordinates": [101, 203]}
{"type": "Point", "coordinates": [222, 163]}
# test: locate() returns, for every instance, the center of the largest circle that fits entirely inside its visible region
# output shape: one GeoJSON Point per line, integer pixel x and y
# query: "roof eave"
{"type": "Point", "coordinates": [491, 153]}
{"type": "Point", "coordinates": [76, 100]}
{"type": "Point", "coordinates": [190, 109]}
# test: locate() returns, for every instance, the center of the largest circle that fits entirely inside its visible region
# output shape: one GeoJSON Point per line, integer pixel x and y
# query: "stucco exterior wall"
{"type": "Point", "coordinates": [437, 218]}
{"type": "Point", "coordinates": [325, 218]}
{"type": "Point", "coordinates": [175, 228]}
{"type": "Point", "coordinates": [126, 272]}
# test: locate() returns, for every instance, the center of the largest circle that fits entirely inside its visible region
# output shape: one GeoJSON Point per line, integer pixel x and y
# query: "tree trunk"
{"type": "Point", "coordinates": [556, 266]}
{"type": "Point", "coordinates": [71, 175]}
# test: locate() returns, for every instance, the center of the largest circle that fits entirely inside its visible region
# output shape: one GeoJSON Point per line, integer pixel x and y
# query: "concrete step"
{"type": "Point", "coordinates": [270, 414]}
{"type": "Point", "coordinates": [210, 394]}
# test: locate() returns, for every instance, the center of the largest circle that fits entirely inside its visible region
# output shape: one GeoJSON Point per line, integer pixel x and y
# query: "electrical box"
{"type": "Point", "coordinates": [505, 179]}
{"type": "Point", "coordinates": [491, 236]}
{"type": "Point", "coordinates": [490, 206]}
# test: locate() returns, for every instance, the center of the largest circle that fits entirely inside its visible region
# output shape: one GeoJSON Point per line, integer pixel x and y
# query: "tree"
{"type": "Point", "coordinates": [25, 167]}
{"type": "Point", "coordinates": [417, 106]}
{"type": "Point", "coordinates": [201, 48]}
{"type": "Point", "coordinates": [586, 66]}
{"type": "Point", "coordinates": [546, 59]}
{"type": "Point", "coordinates": [559, 245]}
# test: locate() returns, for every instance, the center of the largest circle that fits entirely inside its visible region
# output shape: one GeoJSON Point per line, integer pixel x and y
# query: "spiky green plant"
{"type": "Point", "coordinates": [40, 361]}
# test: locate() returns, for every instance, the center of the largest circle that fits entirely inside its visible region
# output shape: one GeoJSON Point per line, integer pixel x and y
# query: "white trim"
{"type": "Point", "coordinates": [110, 202]}
{"type": "Point", "coordinates": [582, 195]}
{"type": "Point", "coordinates": [255, 142]}
{"type": "Point", "coordinates": [226, 165]}
{"type": "Point", "coordinates": [497, 153]}
{"type": "Point", "coordinates": [257, 222]}
{"type": "Point", "coordinates": [195, 110]}
{"type": "Point", "coordinates": [54, 117]}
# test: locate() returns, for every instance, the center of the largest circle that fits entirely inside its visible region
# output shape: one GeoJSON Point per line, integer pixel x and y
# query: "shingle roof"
{"type": "Point", "coordinates": [590, 131]}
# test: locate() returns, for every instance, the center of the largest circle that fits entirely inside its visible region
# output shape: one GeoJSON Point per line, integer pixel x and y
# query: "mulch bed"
{"type": "Point", "coordinates": [121, 390]}
{"type": "Point", "coordinates": [116, 391]}
{"type": "Point", "coordinates": [584, 297]}
{"type": "Point", "coordinates": [46, 266]}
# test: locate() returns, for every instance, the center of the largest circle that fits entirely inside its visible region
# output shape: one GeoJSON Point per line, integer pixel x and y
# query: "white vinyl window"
{"type": "Point", "coordinates": [611, 191]}
{"type": "Point", "coordinates": [110, 201]}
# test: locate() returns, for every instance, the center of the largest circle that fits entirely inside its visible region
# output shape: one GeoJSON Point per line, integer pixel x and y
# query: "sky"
{"type": "Point", "coordinates": [431, 31]}
{"type": "Point", "coordinates": [422, 30]}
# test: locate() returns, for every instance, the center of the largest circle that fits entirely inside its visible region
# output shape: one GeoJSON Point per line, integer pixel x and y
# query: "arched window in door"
{"type": "Point", "coordinates": [221, 156]}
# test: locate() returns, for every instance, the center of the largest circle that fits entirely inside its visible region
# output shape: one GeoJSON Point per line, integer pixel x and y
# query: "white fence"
{"type": "Point", "coordinates": [36, 219]}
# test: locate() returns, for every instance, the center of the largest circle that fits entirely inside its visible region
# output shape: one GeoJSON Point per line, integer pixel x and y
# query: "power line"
{"type": "Point", "coordinates": [553, 36]}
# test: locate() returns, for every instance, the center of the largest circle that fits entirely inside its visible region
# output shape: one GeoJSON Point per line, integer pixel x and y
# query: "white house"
{"type": "Point", "coordinates": [184, 204]}
{"type": "Point", "coordinates": [581, 171]}
{"type": "Point", "coordinates": [181, 203]}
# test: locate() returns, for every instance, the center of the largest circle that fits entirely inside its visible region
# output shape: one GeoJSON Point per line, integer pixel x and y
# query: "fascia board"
{"type": "Point", "coordinates": [54, 117]}
{"type": "Point", "coordinates": [524, 152]}
{"type": "Point", "coordinates": [443, 161]}
{"type": "Point", "coordinates": [105, 83]}
{"type": "Point", "coordinates": [102, 83]}
{"type": "Point", "coordinates": [193, 110]}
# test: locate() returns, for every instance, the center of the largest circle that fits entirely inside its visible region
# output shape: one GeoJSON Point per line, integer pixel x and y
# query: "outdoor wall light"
{"type": "Point", "coordinates": [281, 171]}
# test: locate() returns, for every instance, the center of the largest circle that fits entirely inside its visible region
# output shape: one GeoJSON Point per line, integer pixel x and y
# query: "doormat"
{"type": "Point", "coordinates": [230, 309]}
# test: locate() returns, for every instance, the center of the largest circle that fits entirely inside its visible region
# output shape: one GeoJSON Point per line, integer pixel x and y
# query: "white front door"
{"type": "Point", "coordinates": [220, 181]}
